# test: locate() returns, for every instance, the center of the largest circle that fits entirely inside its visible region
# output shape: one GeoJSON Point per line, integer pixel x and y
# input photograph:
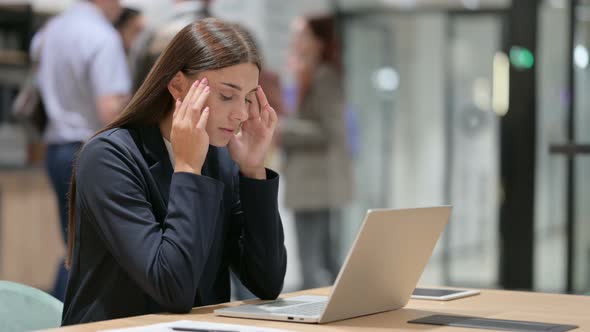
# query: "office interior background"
{"type": "Point", "coordinates": [483, 105]}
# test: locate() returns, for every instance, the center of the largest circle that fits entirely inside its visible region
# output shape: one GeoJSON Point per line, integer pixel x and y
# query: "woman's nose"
{"type": "Point", "coordinates": [241, 113]}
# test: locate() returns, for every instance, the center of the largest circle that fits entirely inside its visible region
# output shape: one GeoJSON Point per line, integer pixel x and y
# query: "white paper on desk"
{"type": "Point", "coordinates": [206, 326]}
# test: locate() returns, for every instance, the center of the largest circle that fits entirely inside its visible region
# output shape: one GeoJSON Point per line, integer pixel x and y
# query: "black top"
{"type": "Point", "coordinates": [150, 240]}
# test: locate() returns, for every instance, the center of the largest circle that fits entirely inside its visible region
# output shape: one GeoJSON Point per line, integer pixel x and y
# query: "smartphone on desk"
{"type": "Point", "coordinates": [442, 294]}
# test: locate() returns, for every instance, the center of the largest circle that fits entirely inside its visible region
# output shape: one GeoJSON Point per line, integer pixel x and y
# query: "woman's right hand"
{"type": "Point", "coordinates": [189, 139]}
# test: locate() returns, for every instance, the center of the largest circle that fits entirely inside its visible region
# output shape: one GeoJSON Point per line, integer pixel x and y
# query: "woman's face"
{"type": "Point", "coordinates": [304, 48]}
{"type": "Point", "coordinates": [111, 8]}
{"type": "Point", "coordinates": [232, 91]}
{"type": "Point", "coordinates": [131, 31]}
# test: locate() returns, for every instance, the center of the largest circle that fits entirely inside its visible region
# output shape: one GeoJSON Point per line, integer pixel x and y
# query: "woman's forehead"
{"type": "Point", "coordinates": [244, 76]}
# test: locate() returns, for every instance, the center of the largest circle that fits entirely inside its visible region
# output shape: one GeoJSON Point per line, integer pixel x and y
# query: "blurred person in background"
{"type": "Point", "coordinates": [318, 166]}
{"type": "Point", "coordinates": [173, 194]}
{"type": "Point", "coordinates": [84, 82]}
{"type": "Point", "coordinates": [130, 25]}
{"type": "Point", "coordinates": [152, 42]}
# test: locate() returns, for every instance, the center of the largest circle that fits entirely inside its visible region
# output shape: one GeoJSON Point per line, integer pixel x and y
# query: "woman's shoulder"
{"type": "Point", "coordinates": [108, 144]}
{"type": "Point", "coordinates": [110, 157]}
{"type": "Point", "coordinates": [113, 137]}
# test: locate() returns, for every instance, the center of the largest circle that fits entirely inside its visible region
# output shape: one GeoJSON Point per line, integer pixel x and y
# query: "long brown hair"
{"type": "Point", "coordinates": [207, 44]}
{"type": "Point", "coordinates": [324, 30]}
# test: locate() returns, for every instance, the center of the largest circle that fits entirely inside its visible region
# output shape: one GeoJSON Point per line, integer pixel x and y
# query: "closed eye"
{"type": "Point", "coordinates": [228, 98]}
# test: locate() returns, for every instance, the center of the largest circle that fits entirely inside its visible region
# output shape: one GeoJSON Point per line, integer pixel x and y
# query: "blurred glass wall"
{"type": "Point", "coordinates": [421, 84]}
{"type": "Point", "coordinates": [551, 199]}
{"type": "Point", "coordinates": [581, 279]}
{"type": "Point", "coordinates": [552, 105]}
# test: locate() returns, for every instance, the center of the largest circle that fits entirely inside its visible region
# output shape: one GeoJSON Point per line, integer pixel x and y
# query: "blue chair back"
{"type": "Point", "coordinates": [24, 308]}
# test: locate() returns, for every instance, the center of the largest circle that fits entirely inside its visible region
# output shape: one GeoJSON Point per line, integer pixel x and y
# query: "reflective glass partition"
{"type": "Point", "coordinates": [581, 259]}
{"type": "Point", "coordinates": [550, 185]}
{"type": "Point", "coordinates": [553, 109]}
{"type": "Point", "coordinates": [420, 84]}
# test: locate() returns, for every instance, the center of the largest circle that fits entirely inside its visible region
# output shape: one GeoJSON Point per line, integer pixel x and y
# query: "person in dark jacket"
{"type": "Point", "coordinates": [170, 196]}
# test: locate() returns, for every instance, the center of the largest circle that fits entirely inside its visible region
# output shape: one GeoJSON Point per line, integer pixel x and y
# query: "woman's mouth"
{"type": "Point", "coordinates": [227, 131]}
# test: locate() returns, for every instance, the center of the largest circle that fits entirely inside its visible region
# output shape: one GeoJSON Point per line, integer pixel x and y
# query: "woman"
{"type": "Point", "coordinates": [130, 25]}
{"type": "Point", "coordinates": [318, 172]}
{"type": "Point", "coordinates": [158, 216]}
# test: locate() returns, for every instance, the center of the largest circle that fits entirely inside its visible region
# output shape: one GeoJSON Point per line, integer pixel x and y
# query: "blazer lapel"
{"type": "Point", "coordinates": [156, 155]}
{"type": "Point", "coordinates": [211, 165]}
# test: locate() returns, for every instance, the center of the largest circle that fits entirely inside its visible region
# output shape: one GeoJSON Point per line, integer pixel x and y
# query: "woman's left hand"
{"type": "Point", "coordinates": [249, 147]}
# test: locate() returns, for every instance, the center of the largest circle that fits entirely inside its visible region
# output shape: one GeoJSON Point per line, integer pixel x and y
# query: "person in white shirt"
{"type": "Point", "coordinates": [84, 82]}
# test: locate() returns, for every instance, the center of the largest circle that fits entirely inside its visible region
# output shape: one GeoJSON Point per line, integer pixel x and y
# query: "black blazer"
{"type": "Point", "coordinates": [150, 240]}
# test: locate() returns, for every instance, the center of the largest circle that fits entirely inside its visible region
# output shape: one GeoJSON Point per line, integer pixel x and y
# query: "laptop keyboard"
{"type": "Point", "coordinates": [310, 309]}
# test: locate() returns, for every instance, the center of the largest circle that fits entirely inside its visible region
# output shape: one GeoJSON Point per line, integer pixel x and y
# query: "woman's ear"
{"type": "Point", "coordinates": [177, 86]}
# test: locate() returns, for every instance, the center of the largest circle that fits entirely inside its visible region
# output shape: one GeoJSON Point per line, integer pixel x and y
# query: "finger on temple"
{"type": "Point", "coordinates": [261, 97]}
{"type": "Point", "coordinates": [253, 111]}
{"type": "Point", "coordinates": [200, 88]}
{"type": "Point", "coordinates": [203, 119]}
{"type": "Point", "coordinates": [186, 102]}
{"type": "Point", "coordinates": [199, 104]}
{"type": "Point", "coordinates": [265, 114]}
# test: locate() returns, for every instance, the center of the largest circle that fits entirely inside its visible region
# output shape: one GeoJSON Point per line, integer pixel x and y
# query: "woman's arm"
{"type": "Point", "coordinates": [165, 259]}
{"type": "Point", "coordinates": [257, 247]}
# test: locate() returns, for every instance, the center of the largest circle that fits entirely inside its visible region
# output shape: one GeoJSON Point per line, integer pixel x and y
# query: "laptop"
{"type": "Point", "coordinates": [381, 271]}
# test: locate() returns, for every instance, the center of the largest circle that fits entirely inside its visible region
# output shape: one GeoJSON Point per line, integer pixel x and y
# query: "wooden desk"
{"type": "Point", "coordinates": [539, 307]}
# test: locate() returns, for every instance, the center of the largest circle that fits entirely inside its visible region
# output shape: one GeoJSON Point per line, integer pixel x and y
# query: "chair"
{"type": "Point", "coordinates": [24, 308]}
